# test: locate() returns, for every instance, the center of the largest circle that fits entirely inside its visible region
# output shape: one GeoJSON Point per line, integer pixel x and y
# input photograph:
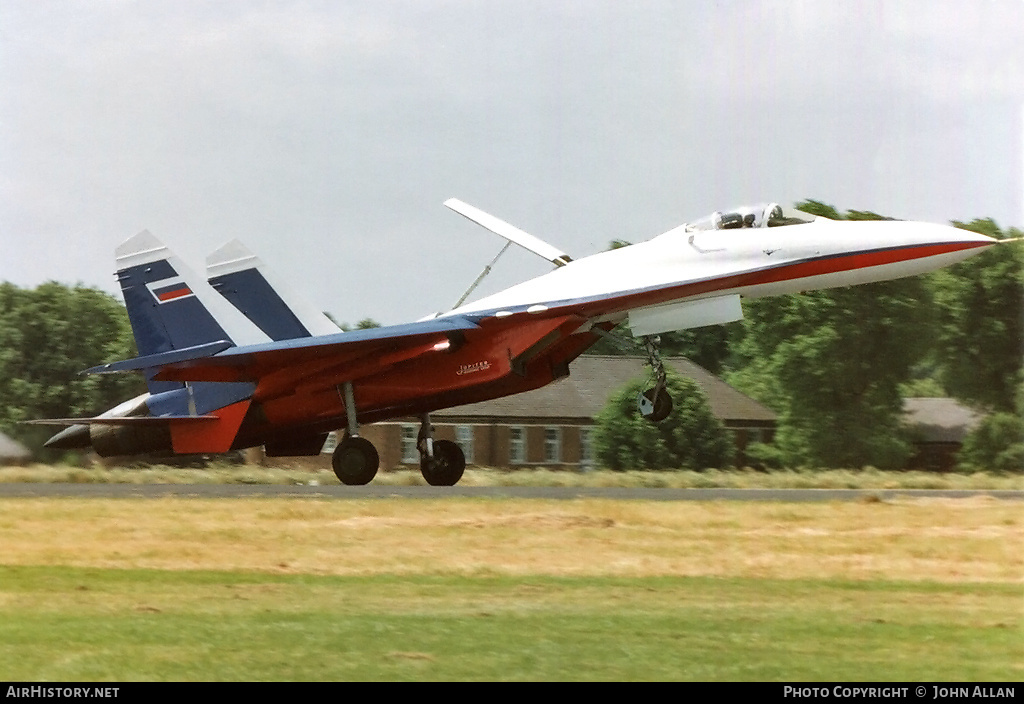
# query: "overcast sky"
{"type": "Point", "coordinates": [326, 135]}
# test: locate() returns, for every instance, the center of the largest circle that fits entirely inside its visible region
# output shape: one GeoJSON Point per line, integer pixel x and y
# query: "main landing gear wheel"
{"type": "Point", "coordinates": [655, 404]}
{"type": "Point", "coordinates": [355, 461]}
{"type": "Point", "coordinates": [445, 468]}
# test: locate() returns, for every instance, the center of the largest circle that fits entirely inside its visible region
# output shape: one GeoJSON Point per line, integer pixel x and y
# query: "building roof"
{"type": "Point", "coordinates": [940, 419]}
{"type": "Point", "coordinates": [12, 450]}
{"type": "Point", "coordinates": [594, 378]}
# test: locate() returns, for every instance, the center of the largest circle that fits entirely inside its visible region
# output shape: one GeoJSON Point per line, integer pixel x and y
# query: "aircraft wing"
{"type": "Point", "coordinates": [347, 355]}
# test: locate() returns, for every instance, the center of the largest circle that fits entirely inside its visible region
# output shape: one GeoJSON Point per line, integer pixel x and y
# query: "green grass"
{"type": "Point", "coordinates": [61, 623]}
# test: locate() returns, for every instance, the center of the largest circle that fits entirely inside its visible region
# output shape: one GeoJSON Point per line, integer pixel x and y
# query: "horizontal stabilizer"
{"type": "Point", "coordinates": [511, 233]}
{"type": "Point", "coordinates": [120, 420]}
{"type": "Point", "coordinates": [158, 360]}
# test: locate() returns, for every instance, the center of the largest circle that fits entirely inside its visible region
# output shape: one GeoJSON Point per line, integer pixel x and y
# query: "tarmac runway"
{"type": "Point", "coordinates": [137, 491]}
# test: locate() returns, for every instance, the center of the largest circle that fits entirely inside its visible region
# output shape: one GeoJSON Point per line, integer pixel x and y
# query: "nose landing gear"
{"type": "Point", "coordinates": [655, 404]}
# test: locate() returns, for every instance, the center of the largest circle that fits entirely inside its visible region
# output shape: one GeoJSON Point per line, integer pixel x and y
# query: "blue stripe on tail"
{"type": "Point", "coordinates": [252, 294]}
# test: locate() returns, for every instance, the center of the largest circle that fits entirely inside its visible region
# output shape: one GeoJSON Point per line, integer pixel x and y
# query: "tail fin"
{"type": "Point", "coordinates": [174, 318]}
{"type": "Point", "coordinates": [169, 309]}
{"type": "Point", "coordinates": [242, 278]}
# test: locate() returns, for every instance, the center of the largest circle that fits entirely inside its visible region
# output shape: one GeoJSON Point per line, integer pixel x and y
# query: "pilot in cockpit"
{"type": "Point", "coordinates": [770, 215]}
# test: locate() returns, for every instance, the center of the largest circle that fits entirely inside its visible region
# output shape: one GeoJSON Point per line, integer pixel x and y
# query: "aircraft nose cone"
{"type": "Point", "coordinates": [968, 237]}
{"type": "Point", "coordinates": [952, 239]}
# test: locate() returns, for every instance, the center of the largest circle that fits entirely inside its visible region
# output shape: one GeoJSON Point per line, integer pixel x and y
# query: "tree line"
{"type": "Point", "coordinates": [48, 335]}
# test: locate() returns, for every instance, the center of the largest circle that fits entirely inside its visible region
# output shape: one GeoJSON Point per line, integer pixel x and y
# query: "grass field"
{"type": "Point", "coordinates": [307, 589]}
{"type": "Point", "coordinates": [475, 476]}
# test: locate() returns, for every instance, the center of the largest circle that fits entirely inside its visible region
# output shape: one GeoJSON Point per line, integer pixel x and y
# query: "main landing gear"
{"type": "Point", "coordinates": [355, 459]}
{"type": "Point", "coordinates": [655, 404]}
{"type": "Point", "coordinates": [441, 461]}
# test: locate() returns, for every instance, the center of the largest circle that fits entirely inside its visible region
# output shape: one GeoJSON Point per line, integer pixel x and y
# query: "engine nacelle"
{"type": "Point", "coordinates": [134, 439]}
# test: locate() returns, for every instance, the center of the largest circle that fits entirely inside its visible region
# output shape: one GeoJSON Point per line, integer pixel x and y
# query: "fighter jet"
{"type": "Point", "coordinates": [215, 387]}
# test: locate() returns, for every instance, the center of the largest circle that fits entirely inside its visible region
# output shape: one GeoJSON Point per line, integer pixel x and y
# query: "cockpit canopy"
{"type": "Point", "coordinates": [762, 215]}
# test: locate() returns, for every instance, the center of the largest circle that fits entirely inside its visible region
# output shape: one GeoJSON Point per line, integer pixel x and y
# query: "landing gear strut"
{"type": "Point", "coordinates": [655, 404]}
{"type": "Point", "coordinates": [441, 461]}
{"type": "Point", "coordinates": [355, 459]}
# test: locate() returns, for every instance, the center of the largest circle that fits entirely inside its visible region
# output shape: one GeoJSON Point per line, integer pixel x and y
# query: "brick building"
{"type": "Point", "coordinates": [553, 426]}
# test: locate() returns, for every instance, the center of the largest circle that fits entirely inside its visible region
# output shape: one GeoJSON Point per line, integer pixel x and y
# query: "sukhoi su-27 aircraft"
{"type": "Point", "coordinates": [215, 387]}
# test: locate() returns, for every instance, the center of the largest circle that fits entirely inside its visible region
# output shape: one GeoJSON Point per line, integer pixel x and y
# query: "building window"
{"type": "Point", "coordinates": [553, 445]}
{"type": "Point", "coordinates": [517, 445]}
{"type": "Point", "coordinates": [464, 439]}
{"type": "Point", "coordinates": [410, 434]}
{"type": "Point", "coordinates": [586, 448]}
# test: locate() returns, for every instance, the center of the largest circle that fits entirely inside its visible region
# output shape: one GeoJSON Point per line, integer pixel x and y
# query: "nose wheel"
{"type": "Point", "coordinates": [655, 404]}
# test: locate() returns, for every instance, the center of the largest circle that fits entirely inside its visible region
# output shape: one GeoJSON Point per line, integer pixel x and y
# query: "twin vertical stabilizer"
{"type": "Point", "coordinates": [242, 278]}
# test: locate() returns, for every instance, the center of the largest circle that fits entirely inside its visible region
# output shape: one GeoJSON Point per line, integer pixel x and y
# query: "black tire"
{"type": "Point", "coordinates": [355, 461]}
{"type": "Point", "coordinates": [447, 466]}
{"type": "Point", "coordinates": [662, 405]}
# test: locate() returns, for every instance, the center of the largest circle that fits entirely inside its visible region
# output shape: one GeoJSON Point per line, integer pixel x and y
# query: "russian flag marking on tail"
{"type": "Point", "coordinates": [164, 292]}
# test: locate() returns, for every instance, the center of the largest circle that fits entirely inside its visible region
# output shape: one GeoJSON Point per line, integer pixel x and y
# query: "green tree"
{"type": "Point", "coordinates": [997, 443]}
{"type": "Point", "coordinates": [979, 352]}
{"type": "Point", "coordinates": [48, 335]}
{"type": "Point", "coordinates": [690, 437]}
{"type": "Point", "coordinates": [364, 324]}
{"type": "Point", "coordinates": [831, 363]}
